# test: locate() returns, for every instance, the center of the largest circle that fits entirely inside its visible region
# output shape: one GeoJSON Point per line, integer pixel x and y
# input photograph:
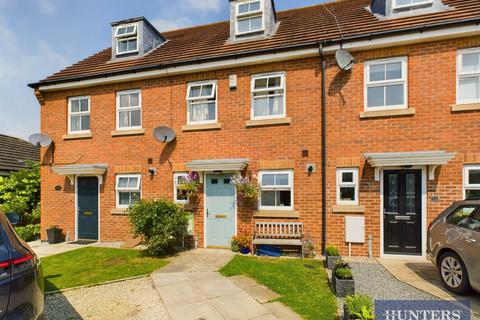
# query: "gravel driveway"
{"type": "Point", "coordinates": [132, 299]}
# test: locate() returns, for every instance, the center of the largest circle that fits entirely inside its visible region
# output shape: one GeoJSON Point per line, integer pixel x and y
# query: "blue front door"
{"type": "Point", "coordinates": [87, 208]}
{"type": "Point", "coordinates": [220, 210]}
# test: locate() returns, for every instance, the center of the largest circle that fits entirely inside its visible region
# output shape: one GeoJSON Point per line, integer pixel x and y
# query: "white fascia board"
{"type": "Point", "coordinates": [390, 41]}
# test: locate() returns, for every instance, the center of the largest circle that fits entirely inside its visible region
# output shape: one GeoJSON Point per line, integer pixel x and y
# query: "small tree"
{"type": "Point", "coordinates": [160, 223]}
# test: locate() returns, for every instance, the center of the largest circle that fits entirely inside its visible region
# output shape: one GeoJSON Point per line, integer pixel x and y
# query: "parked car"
{"type": "Point", "coordinates": [454, 246]}
{"type": "Point", "coordinates": [21, 276]}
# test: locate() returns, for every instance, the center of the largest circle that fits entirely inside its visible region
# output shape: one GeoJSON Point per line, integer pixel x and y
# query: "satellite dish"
{"type": "Point", "coordinates": [40, 140]}
{"type": "Point", "coordinates": [344, 59]}
{"type": "Point", "coordinates": [164, 134]}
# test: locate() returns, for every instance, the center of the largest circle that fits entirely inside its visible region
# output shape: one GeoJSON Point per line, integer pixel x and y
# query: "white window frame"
{"type": "Point", "coordinates": [248, 15]}
{"type": "Point", "coordinates": [283, 86]}
{"type": "Point", "coordinates": [200, 100]}
{"type": "Point", "coordinates": [460, 75]}
{"type": "Point", "coordinates": [353, 184]}
{"type": "Point", "coordinates": [290, 187]}
{"type": "Point", "coordinates": [118, 190]}
{"type": "Point", "coordinates": [126, 37]}
{"type": "Point", "coordinates": [369, 84]}
{"type": "Point", "coordinates": [80, 113]}
{"type": "Point", "coordinates": [176, 175]}
{"type": "Point", "coordinates": [119, 93]}
{"type": "Point", "coordinates": [466, 178]}
{"type": "Point", "coordinates": [413, 5]}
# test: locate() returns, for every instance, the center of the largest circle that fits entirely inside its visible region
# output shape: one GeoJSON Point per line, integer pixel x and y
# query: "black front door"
{"type": "Point", "coordinates": [87, 208]}
{"type": "Point", "coordinates": [403, 212]}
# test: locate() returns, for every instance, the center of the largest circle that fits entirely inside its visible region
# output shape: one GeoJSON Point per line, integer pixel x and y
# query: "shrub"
{"type": "Point", "coordinates": [332, 251]}
{"type": "Point", "coordinates": [29, 232]}
{"type": "Point", "coordinates": [160, 223]}
{"type": "Point", "coordinates": [344, 273]}
{"type": "Point", "coordinates": [359, 307]}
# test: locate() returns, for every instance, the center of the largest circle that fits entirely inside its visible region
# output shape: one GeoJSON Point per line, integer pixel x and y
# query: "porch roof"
{"type": "Point", "coordinates": [432, 159]}
{"type": "Point", "coordinates": [218, 165]}
{"type": "Point", "coordinates": [81, 170]}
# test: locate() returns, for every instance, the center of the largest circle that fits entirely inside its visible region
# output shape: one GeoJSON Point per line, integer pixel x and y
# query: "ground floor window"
{"type": "Point", "coordinates": [276, 190]}
{"type": "Point", "coordinates": [347, 186]}
{"type": "Point", "coordinates": [471, 182]}
{"type": "Point", "coordinates": [128, 189]}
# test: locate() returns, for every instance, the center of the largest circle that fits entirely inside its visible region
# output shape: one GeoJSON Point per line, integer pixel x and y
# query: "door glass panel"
{"type": "Point", "coordinates": [410, 193]}
{"type": "Point", "coordinates": [392, 205]}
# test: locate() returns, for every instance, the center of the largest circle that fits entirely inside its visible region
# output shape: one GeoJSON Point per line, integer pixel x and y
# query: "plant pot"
{"type": "Point", "coordinates": [234, 246]}
{"type": "Point", "coordinates": [54, 235]}
{"type": "Point", "coordinates": [343, 287]}
{"type": "Point", "coordinates": [332, 261]}
{"type": "Point", "coordinates": [244, 250]}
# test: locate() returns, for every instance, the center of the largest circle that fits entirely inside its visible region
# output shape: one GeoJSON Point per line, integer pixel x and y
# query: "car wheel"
{"type": "Point", "coordinates": [453, 273]}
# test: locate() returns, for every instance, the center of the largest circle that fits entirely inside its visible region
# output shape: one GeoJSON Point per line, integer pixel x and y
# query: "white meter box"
{"type": "Point", "coordinates": [355, 229]}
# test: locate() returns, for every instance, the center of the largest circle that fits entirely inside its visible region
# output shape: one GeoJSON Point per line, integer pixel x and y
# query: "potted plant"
{"type": "Point", "coordinates": [189, 185]}
{"type": "Point", "coordinates": [342, 280]}
{"type": "Point", "coordinates": [243, 243]}
{"type": "Point", "coordinates": [333, 257]}
{"type": "Point", "coordinates": [358, 307]}
{"type": "Point", "coordinates": [54, 235]}
{"type": "Point", "coordinates": [247, 187]}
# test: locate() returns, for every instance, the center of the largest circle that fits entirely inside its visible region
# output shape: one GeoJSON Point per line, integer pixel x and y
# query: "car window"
{"type": "Point", "coordinates": [466, 217]}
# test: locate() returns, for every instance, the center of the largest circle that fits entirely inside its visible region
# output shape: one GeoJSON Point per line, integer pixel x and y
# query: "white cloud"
{"type": "Point", "coordinates": [171, 24]}
{"type": "Point", "coordinates": [46, 6]}
{"type": "Point", "coordinates": [203, 6]}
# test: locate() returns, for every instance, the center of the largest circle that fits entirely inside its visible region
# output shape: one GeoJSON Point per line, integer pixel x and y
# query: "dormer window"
{"type": "Point", "coordinates": [127, 39]}
{"type": "Point", "coordinates": [404, 4]}
{"type": "Point", "coordinates": [249, 16]}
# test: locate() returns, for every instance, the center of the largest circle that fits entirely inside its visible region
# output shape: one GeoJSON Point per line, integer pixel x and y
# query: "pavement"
{"type": "Point", "coordinates": [423, 275]}
{"type": "Point", "coordinates": [192, 288]}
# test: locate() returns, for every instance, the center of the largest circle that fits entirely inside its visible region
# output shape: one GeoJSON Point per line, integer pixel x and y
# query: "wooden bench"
{"type": "Point", "coordinates": [278, 233]}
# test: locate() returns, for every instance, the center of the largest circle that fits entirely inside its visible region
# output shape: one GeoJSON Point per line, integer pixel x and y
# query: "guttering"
{"type": "Point", "coordinates": [359, 42]}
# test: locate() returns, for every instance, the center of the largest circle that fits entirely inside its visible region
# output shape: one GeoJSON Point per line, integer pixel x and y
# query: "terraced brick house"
{"type": "Point", "coordinates": [400, 142]}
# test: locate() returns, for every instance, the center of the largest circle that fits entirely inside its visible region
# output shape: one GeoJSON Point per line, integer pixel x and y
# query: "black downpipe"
{"type": "Point", "coordinates": [324, 151]}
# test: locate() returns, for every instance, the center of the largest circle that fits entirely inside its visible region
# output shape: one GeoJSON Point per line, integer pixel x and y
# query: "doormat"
{"type": "Point", "coordinates": [83, 242]}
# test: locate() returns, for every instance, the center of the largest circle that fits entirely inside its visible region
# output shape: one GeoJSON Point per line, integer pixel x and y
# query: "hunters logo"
{"type": "Point", "coordinates": [422, 310]}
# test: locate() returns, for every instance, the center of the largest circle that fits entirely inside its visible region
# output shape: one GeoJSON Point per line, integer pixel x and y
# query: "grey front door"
{"type": "Point", "coordinates": [220, 210]}
{"type": "Point", "coordinates": [403, 212]}
{"type": "Point", "coordinates": [87, 208]}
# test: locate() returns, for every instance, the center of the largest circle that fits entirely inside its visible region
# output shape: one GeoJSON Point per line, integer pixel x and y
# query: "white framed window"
{"type": "Point", "coordinates": [126, 38]}
{"type": "Point", "coordinates": [268, 96]}
{"type": "Point", "coordinates": [402, 4]}
{"type": "Point", "coordinates": [128, 187]}
{"type": "Point", "coordinates": [347, 186]}
{"type": "Point", "coordinates": [79, 115]}
{"type": "Point", "coordinates": [276, 190]}
{"type": "Point", "coordinates": [468, 76]}
{"type": "Point", "coordinates": [249, 16]}
{"type": "Point", "coordinates": [471, 182]}
{"type": "Point", "coordinates": [179, 196]}
{"type": "Point", "coordinates": [386, 84]}
{"type": "Point", "coordinates": [129, 110]}
{"type": "Point", "coordinates": [202, 102]}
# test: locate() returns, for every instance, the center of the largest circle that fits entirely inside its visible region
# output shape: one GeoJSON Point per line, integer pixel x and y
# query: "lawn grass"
{"type": "Point", "coordinates": [303, 284]}
{"type": "Point", "coordinates": [94, 265]}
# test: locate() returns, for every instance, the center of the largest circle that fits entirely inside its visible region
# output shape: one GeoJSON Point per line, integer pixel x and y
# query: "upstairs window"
{"type": "Point", "coordinates": [202, 103]}
{"type": "Point", "coordinates": [268, 97]}
{"type": "Point", "coordinates": [128, 190]}
{"type": "Point", "coordinates": [79, 115]}
{"type": "Point", "coordinates": [129, 110]}
{"type": "Point", "coordinates": [386, 84]}
{"type": "Point", "coordinates": [471, 182]}
{"type": "Point", "coordinates": [276, 190]}
{"type": "Point", "coordinates": [127, 39]}
{"type": "Point", "coordinates": [468, 71]}
{"type": "Point", "coordinates": [402, 4]}
{"type": "Point", "coordinates": [347, 186]}
{"type": "Point", "coordinates": [249, 16]}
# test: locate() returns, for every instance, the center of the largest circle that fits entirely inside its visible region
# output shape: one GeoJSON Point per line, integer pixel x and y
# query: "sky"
{"type": "Point", "coordinates": [41, 37]}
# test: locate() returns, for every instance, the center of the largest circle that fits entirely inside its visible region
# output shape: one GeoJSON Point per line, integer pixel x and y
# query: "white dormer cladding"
{"type": "Point", "coordinates": [251, 18]}
{"type": "Point", "coordinates": [400, 8]}
{"type": "Point", "coordinates": [134, 37]}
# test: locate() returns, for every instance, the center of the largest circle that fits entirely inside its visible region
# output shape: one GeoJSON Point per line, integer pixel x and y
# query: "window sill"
{"type": "Point", "coordinates": [75, 136]}
{"type": "Point", "coordinates": [466, 107]}
{"type": "Point", "coordinates": [387, 113]}
{"type": "Point", "coordinates": [275, 214]}
{"type": "Point", "coordinates": [119, 212]}
{"type": "Point", "coordinates": [202, 127]}
{"type": "Point", "coordinates": [348, 209]}
{"type": "Point", "coordinates": [268, 122]}
{"type": "Point", "coordinates": [120, 133]}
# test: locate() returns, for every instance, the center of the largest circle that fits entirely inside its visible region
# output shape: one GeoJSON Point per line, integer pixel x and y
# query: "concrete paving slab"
{"type": "Point", "coordinates": [180, 294]}
{"type": "Point", "coordinates": [239, 306]}
{"type": "Point", "coordinates": [281, 311]}
{"type": "Point", "coordinates": [195, 311]}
